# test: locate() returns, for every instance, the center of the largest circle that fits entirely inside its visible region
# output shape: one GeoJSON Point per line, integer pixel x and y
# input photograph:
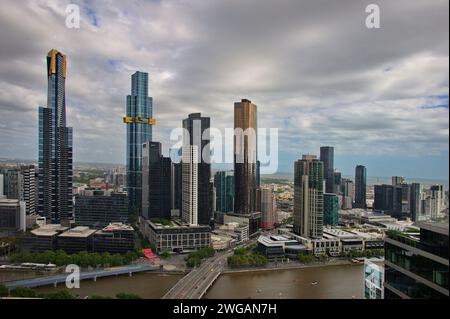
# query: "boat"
{"type": "Point", "coordinates": [314, 283]}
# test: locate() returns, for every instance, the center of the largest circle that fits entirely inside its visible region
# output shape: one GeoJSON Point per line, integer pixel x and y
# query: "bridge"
{"type": "Point", "coordinates": [57, 279]}
{"type": "Point", "coordinates": [195, 284]}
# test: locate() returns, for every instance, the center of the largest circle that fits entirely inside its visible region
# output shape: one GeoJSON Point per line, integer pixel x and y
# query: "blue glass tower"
{"type": "Point", "coordinates": [55, 146]}
{"type": "Point", "coordinates": [139, 131]}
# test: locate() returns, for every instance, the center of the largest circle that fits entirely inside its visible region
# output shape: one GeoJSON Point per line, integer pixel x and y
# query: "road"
{"type": "Point", "coordinates": [195, 284]}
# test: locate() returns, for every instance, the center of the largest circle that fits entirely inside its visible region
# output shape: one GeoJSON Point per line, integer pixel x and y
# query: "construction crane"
{"type": "Point", "coordinates": [129, 120]}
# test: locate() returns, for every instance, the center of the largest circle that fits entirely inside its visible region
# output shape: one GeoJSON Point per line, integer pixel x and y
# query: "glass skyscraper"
{"type": "Point", "coordinates": [55, 146]}
{"type": "Point", "coordinates": [327, 157]}
{"type": "Point", "coordinates": [139, 131]}
{"type": "Point", "coordinates": [360, 186]}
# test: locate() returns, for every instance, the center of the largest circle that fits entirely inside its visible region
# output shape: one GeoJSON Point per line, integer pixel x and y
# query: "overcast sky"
{"type": "Point", "coordinates": [380, 96]}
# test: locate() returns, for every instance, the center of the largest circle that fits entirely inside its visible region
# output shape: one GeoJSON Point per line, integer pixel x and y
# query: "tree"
{"type": "Point", "coordinates": [22, 292]}
{"type": "Point", "coordinates": [4, 291]}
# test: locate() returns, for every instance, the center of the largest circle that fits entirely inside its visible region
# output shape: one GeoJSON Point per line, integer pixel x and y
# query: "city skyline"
{"type": "Point", "coordinates": [387, 110]}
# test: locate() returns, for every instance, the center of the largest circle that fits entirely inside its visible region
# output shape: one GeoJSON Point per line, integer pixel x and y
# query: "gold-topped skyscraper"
{"type": "Point", "coordinates": [55, 146]}
{"type": "Point", "coordinates": [245, 157]}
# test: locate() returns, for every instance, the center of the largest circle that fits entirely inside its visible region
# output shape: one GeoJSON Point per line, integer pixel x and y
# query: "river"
{"type": "Point", "coordinates": [329, 282]}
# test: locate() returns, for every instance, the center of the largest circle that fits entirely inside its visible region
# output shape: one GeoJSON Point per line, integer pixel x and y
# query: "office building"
{"type": "Point", "coordinates": [116, 238]}
{"type": "Point", "coordinates": [2, 186]}
{"type": "Point", "coordinates": [416, 264]}
{"type": "Point", "coordinates": [55, 146]}
{"type": "Point", "coordinates": [76, 240]}
{"type": "Point", "coordinates": [99, 208]}
{"type": "Point", "coordinates": [330, 209]}
{"type": "Point", "coordinates": [12, 215]}
{"type": "Point", "coordinates": [224, 185]}
{"type": "Point", "coordinates": [308, 197]}
{"type": "Point", "coordinates": [139, 131]}
{"type": "Point", "coordinates": [327, 158]}
{"type": "Point", "coordinates": [189, 205]}
{"type": "Point", "coordinates": [14, 181]}
{"type": "Point", "coordinates": [245, 157]}
{"type": "Point", "coordinates": [437, 196]}
{"type": "Point", "coordinates": [197, 134]}
{"type": "Point", "coordinates": [29, 188]}
{"type": "Point", "coordinates": [397, 180]}
{"type": "Point", "coordinates": [176, 186]}
{"type": "Point", "coordinates": [268, 209]}
{"type": "Point", "coordinates": [156, 182]}
{"type": "Point", "coordinates": [337, 182]}
{"type": "Point", "coordinates": [415, 201]}
{"type": "Point", "coordinates": [176, 236]}
{"type": "Point", "coordinates": [43, 239]}
{"type": "Point", "coordinates": [360, 186]}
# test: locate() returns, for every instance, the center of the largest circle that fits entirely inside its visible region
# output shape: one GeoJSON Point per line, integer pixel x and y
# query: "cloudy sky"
{"type": "Point", "coordinates": [380, 96]}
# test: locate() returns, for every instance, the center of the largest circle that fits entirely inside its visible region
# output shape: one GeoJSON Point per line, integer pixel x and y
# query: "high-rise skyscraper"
{"type": "Point", "coordinates": [360, 186]}
{"type": "Point", "coordinates": [330, 209]}
{"type": "Point", "coordinates": [156, 182]}
{"type": "Point", "coordinates": [176, 186]}
{"type": "Point", "coordinates": [245, 157]}
{"type": "Point", "coordinates": [308, 197]}
{"type": "Point", "coordinates": [198, 129]}
{"type": "Point", "coordinates": [415, 201]}
{"type": "Point", "coordinates": [224, 183]}
{"type": "Point", "coordinates": [268, 208]}
{"type": "Point", "coordinates": [397, 180]}
{"type": "Point", "coordinates": [189, 209]}
{"type": "Point", "coordinates": [29, 188]}
{"type": "Point", "coordinates": [55, 146]}
{"type": "Point", "coordinates": [327, 157]}
{"type": "Point", "coordinates": [139, 131]}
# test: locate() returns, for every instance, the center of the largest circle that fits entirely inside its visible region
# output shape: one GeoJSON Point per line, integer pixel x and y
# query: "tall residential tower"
{"type": "Point", "coordinates": [139, 131]}
{"type": "Point", "coordinates": [55, 146]}
{"type": "Point", "coordinates": [245, 157]}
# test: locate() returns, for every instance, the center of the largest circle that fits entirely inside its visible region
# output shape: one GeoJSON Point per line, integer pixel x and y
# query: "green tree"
{"type": "Point", "coordinates": [22, 292]}
{"type": "Point", "coordinates": [4, 291]}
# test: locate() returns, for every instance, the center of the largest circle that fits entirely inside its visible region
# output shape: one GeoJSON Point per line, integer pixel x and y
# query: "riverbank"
{"type": "Point", "coordinates": [291, 265]}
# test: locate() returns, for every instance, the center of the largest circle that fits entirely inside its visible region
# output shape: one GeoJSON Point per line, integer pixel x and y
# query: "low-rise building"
{"type": "Point", "coordinates": [76, 240]}
{"type": "Point", "coordinates": [12, 215]}
{"type": "Point", "coordinates": [278, 247]}
{"type": "Point", "coordinates": [116, 238]}
{"type": "Point", "coordinates": [176, 236]}
{"type": "Point", "coordinates": [43, 238]}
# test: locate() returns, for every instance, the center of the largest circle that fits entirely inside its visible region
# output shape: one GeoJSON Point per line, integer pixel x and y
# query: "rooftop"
{"type": "Point", "coordinates": [78, 232]}
{"type": "Point", "coordinates": [440, 227]}
{"type": "Point", "coordinates": [117, 226]}
{"type": "Point", "coordinates": [49, 230]}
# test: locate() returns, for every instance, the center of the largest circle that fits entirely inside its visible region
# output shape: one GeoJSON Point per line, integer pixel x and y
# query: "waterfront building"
{"type": "Point", "coordinates": [245, 157]}
{"type": "Point", "coordinates": [197, 135]}
{"type": "Point", "coordinates": [189, 206]}
{"type": "Point", "coordinates": [43, 238]}
{"type": "Point", "coordinates": [373, 280]}
{"type": "Point", "coordinates": [268, 209]}
{"type": "Point", "coordinates": [55, 146]}
{"type": "Point", "coordinates": [279, 247]}
{"type": "Point", "coordinates": [176, 236]}
{"type": "Point", "coordinates": [76, 240]}
{"type": "Point", "coordinates": [330, 209]}
{"type": "Point", "coordinates": [417, 263]}
{"type": "Point", "coordinates": [360, 186]}
{"type": "Point", "coordinates": [139, 111]}
{"type": "Point", "coordinates": [99, 208]}
{"type": "Point", "coordinates": [12, 215]}
{"type": "Point", "coordinates": [156, 182]}
{"type": "Point", "coordinates": [224, 184]}
{"type": "Point", "coordinates": [116, 238]}
{"type": "Point", "coordinates": [327, 158]}
{"type": "Point", "coordinates": [308, 197]}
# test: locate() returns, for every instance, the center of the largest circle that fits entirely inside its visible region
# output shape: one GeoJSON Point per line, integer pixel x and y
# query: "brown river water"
{"type": "Point", "coordinates": [329, 282]}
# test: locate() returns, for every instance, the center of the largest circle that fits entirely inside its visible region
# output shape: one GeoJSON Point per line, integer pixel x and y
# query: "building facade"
{"type": "Point", "coordinates": [245, 157]}
{"type": "Point", "coordinates": [156, 182]}
{"type": "Point", "coordinates": [360, 186]}
{"type": "Point", "coordinates": [308, 197]}
{"type": "Point", "coordinates": [99, 208]}
{"type": "Point", "coordinates": [327, 158]}
{"type": "Point", "coordinates": [139, 111]}
{"type": "Point", "coordinates": [197, 134]}
{"type": "Point", "coordinates": [330, 209]}
{"type": "Point", "coordinates": [224, 184]}
{"type": "Point", "coordinates": [55, 146]}
{"type": "Point", "coordinates": [189, 205]}
{"type": "Point", "coordinates": [416, 264]}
